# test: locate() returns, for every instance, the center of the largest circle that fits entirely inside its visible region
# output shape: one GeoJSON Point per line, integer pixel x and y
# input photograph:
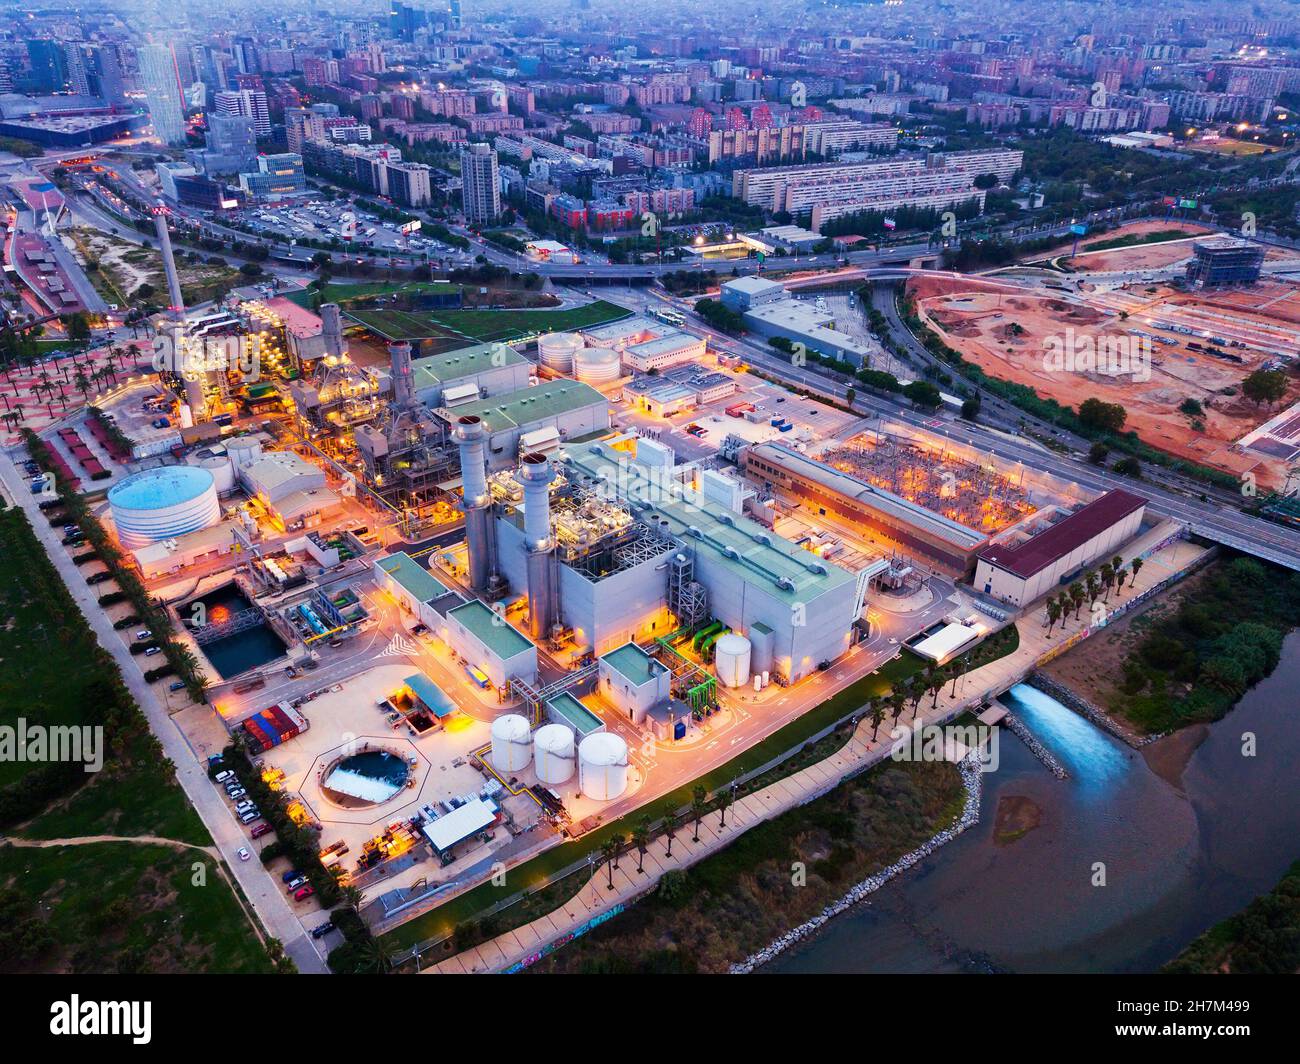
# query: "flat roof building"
{"type": "Point", "coordinates": [1223, 261]}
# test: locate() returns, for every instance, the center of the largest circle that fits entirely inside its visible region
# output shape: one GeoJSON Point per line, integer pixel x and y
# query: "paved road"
{"type": "Point", "coordinates": [258, 884]}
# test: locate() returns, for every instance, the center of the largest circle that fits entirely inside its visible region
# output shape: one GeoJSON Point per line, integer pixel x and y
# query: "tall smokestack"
{"type": "Point", "coordinates": [331, 320]}
{"type": "Point", "coordinates": [399, 360]}
{"type": "Point", "coordinates": [536, 474]}
{"type": "Point", "coordinates": [177, 307]}
{"type": "Point", "coordinates": [471, 436]}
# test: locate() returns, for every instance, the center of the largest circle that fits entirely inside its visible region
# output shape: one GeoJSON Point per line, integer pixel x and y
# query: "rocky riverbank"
{"type": "Point", "coordinates": [1021, 731]}
{"type": "Point", "coordinates": [973, 781]}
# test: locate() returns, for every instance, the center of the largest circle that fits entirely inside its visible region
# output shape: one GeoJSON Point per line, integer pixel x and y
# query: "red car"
{"type": "Point", "coordinates": [260, 830]}
{"type": "Point", "coordinates": [304, 892]}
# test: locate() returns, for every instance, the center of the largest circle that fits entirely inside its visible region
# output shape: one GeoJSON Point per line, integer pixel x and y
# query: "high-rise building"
{"type": "Point", "coordinates": [49, 65]}
{"type": "Point", "coordinates": [232, 144]}
{"type": "Point", "coordinates": [74, 58]}
{"type": "Point", "coordinates": [409, 184]}
{"type": "Point", "coordinates": [480, 183]}
{"type": "Point", "coordinates": [246, 103]}
{"type": "Point", "coordinates": [162, 86]}
{"type": "Point", "coordinates": [104, 72]}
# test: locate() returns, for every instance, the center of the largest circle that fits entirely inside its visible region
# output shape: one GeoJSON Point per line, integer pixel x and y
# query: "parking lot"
{"type": "Point", "coordinates": [328, 221]}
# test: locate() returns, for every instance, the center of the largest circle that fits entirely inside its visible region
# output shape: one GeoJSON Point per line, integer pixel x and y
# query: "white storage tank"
{"type": "Point", "coordinates": [223, 474]}
{"type": "Point", "coordinates": [602, 766]}
{"type": "Point", "coordinates": [162, 503]}
{"type": "Point", "coordinates": [556, 351]}
{"type": "Point", "coordinates": [243, 451]}
{"type": "Point", "coordinates": [512, 745]}
{"type": "Point", "coordinates": [731, 660]}
{"type": "Point", "coordinates": [553, 754]}
{"type": "Point", "coordinates": [597, 365]}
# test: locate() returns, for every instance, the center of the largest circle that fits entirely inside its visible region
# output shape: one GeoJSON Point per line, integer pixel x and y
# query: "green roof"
{"type": "Point", "coordinates": [575, 714]}
{"type": "Point", "coordinates": [757, 554]}
{"type": "Point", "coordinates": [433, 370]}
{"type": "Point", "coordinates": [530, 405]}
{"type": "Point", "coordinates": [491, 629]}
{"type": "Point", "coordinates": [412, 576]}
{"type": "Point", "coordinates": [632, 662]}
{"type": "Point", "coordinates": [435, 699]}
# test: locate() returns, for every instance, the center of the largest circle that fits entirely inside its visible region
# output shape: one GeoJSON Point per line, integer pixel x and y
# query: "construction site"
{"type": "Point", "coordinates": [1189, 353]}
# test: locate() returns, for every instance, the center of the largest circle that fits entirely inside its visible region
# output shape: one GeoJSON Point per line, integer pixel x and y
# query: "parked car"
{"type": "Point", "coordinates": [305, 893]}
{"type": "Point", "coordinates": [99, 578]}
{"type": "Point", "coordinates": [260, 830]}
{"type": "Point", "coordinates": [249, 817]}
{"type": "Point", "coordinates": [237, 793]}
{"type": "Point", "coordinates": [243, 854]}
{"type": "Point", "coordinates": [224, 775]}
{"type": "Point", "coordinates": [178, 685]}
{"type": "Point", "coordinates": [152, 651]}
{"type": "Point", "coordinates": [323, 930]}
{"type": "Point", "coordinates": [290, 876]}
{"type": "Point", "coordinates": [294, 884]}
{"type": "Point", "coordinates": [142, 635]}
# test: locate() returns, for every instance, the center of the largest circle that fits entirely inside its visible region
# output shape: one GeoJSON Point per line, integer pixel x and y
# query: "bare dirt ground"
{"type": "Point", "coordinates": [1006, 333]}
{"type": "Point", "coordinates": [1133, 229]}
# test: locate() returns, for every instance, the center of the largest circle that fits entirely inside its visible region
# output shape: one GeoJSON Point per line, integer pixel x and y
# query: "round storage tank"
{"type": "Point", "coordinates": [161, 503]}
{"type": "Point", "coordinates": [731, 660]}
{"type": "Point", "coordinates": [512, 745]}
{"type": "Point", "coordinates": [223, 475]}
{"type": "Point", "coordinates": [602, 766]}
{"type": "Point", "coordinates": [243, 451]}
{"type": "Point", "coordinates": [597, 365]}
{"type": "Point", "coordinates": [553, 754]}
{"type": "Point", "coordinates": [556, 350]}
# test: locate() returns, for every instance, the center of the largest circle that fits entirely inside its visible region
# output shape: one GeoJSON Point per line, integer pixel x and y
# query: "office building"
{"type": "Point", "coordinates": [480, 183]}
{"type": "Point", "coordinates": [161, 81]}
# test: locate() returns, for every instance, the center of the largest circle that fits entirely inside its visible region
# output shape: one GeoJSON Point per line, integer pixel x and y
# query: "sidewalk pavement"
{"type": "Point", "coordinates": [263, 891]}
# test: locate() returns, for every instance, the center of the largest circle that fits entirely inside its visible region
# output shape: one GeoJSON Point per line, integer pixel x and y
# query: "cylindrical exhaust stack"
{"type": "Point", "coordinates": [177, 304]}
{"type": "Point", "coordinates": [331, 319]}
{"type": "Point", "coordinates": [536, 474]}
{"type": "Point", "coordinates": [471, 437]}
{"type": "Point", "coordinates": [399, 355]}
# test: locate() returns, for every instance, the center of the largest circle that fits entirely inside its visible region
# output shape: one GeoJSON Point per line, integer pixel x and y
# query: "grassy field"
{"type": "Point", "coordinates": [1159, 236]}
{"type": "Point", "coordinates": [53, 672]}
{"type": "Point", "coordinates": [343, 293]}
{"type": "Point", "coordinates": [123, 267]}
{"type": "Point", "coordinates": [122, 908]}
{"type": "Point", "coordinates": [444, 919]}
{"type": "Point", "coordinates": [487, 326]}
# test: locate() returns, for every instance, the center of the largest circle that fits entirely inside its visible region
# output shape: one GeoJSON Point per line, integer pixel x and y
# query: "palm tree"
{"type": "Point", "coordinates": [608, 852]}
{"type": "Point", "coordinates": [1093, 588]}
{"type": "Point", "coordinates": [1077, 595]}
{"type": "Point", "coordinates": [670, 833]}
{"type": "Point", "coordinates": [1107, 580]}
{"type": "Point", "coordinates": [351, 895]}
{"type": "Point", "coordinates": [1119, 580]}
{"type": "Point", "coordinates": [724, 799]}
{"type": "Point", "coordinates": [699, 803]}
{"type": "Point", "coordinates": [1135, 565]}
{"type": "Point", "coordinates": [641, 839]}
{"type": "Point", "coordinates": [1053, 615]}
{"type": "Point", "coordinates": [877, 718]}
{"type": "Point", "coordinates": [938, 677]}
{"type": "Point", "coordinates": [619, 842]}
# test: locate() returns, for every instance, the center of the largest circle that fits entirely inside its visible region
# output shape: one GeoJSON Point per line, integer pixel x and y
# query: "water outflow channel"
{"type": "Point", "coordinates": [1132, 856]}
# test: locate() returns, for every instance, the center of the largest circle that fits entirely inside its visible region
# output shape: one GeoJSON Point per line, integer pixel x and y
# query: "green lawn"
{"type": "Point", "coordinates": [443, 919]}
{"type": "Point", "coordinates": [123, 908]}
{"type": "Point", "coordinates": [487, 326]}
{"type": "Point", "coordinates": [341, 293]}
{"type": "Point", "coordinates": [1159, 236]}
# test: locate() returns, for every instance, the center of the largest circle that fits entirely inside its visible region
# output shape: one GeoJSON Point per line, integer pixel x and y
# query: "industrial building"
{"type": "Point", "coordinates": [887, 517]}
{"type": "Point", "coordinates": [1223, 261]}
{"type": "Point", "coordinates": [160, 504]}
{"type": "Point", "coordinates": [1021, 568]}
{"type": "Point", "coordinates": [609, 550]}
{"type": "Point", "coordinates": [573, 409]}
{"type": "Point", "coordinates": [769, 311]}
{"type": "Point", "coordinates": [469, 373]}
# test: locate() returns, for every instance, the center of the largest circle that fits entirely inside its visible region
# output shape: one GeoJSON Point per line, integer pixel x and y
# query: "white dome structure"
{"type": "Point", "coordinates": [553, 757]}
{"type": "Point", "coordinates": [597, 365]}
{"type": "Point", "coordinates": [512, 746]}
{"type": "Point", "coordinates": [731, 660]}
{"type": "Point", "coordinates": [243, 451]}
{"type": "Point", "coordinates": [555, 351]}
{"type": "Point", "coordinates": [163, 503]}
{"type": "Point", "coordinates": [602, 766]}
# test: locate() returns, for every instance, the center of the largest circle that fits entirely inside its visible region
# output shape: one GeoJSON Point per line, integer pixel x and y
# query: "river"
{"type": "Point", "coordinates": [1126, 865]}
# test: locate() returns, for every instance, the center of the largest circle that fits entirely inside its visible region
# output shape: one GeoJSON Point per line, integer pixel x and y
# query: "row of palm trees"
{"type": "Point", "coordinates": [1093, 585]}
{"type": "Point", "coordinates": [85, 377]}
{"type": "Point", "coordinates": [616, 845]}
